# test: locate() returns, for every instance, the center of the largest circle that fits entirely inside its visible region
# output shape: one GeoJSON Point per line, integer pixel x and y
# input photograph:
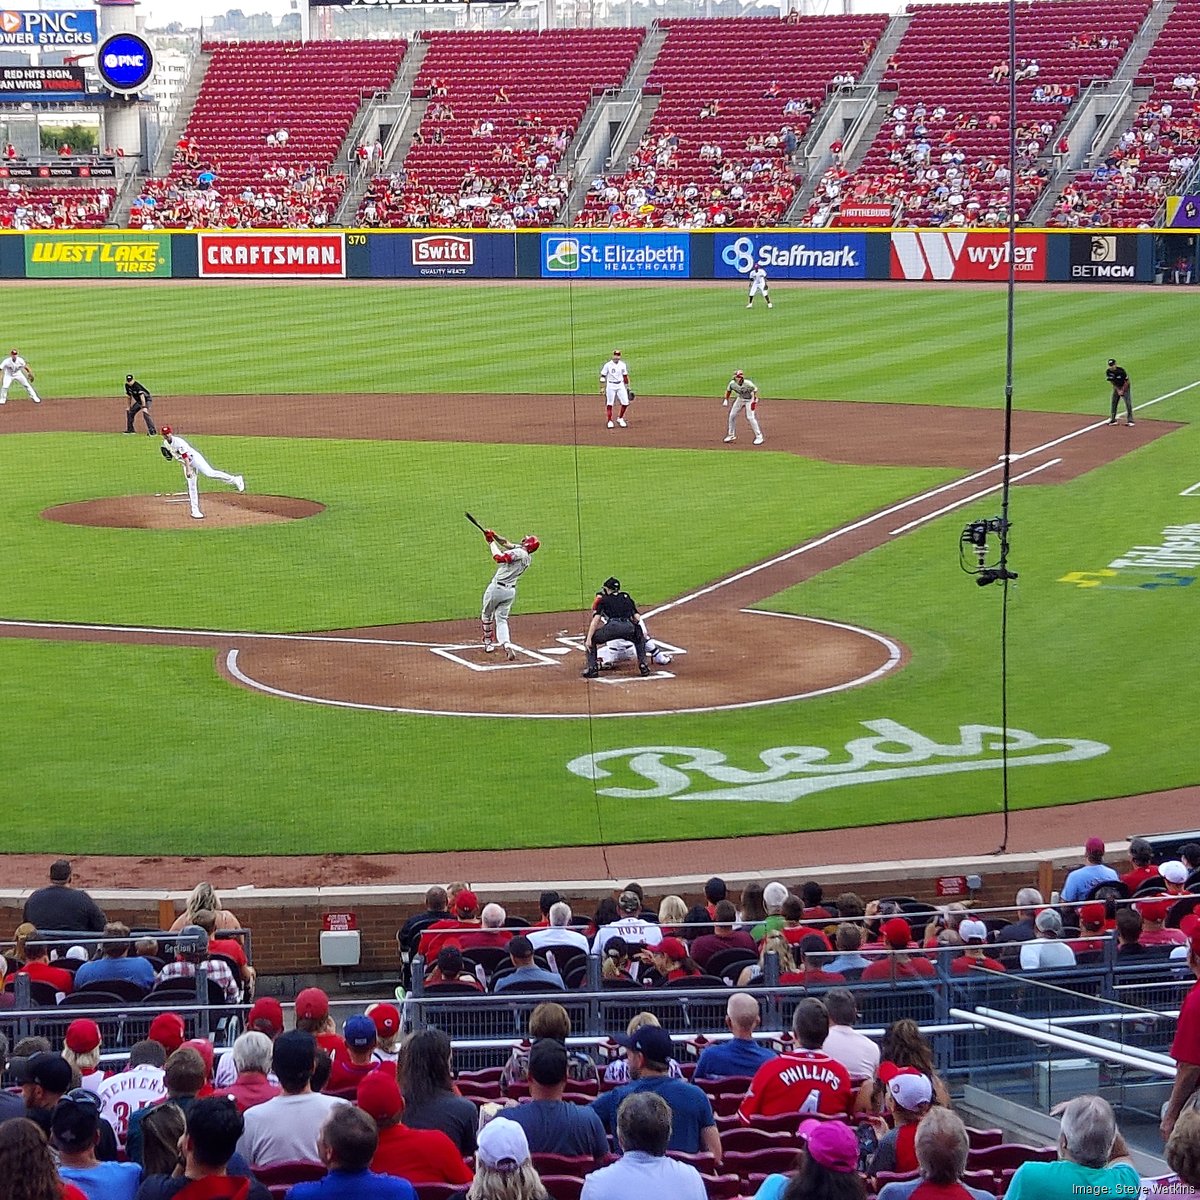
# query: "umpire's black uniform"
{"type": "Point", "coordinates": [139, 401]}
{"type": "Point", "coordinates": [620, 623]}
{"type": "Point", "coordinates": [1122, 389]}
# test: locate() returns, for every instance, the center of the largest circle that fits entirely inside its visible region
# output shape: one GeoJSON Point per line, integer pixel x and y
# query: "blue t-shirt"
{"type": "Point", "coordinates": [107, 1181]}
{"type": "Point", "coordinates": [690, 1109]}
{"type": "Point", "coordinates": [354, 1185]}
{"type": "Point", "coordinates": [1083, 879]}
{"type": "Point", "coordinates": [556, 1127]}
{"type": "Point", "coordinates": [1066, 1180]}
{"type": "Point", "coordinates": [130, 970]}
{"type": "Point", "coordinates": [738, 1057]}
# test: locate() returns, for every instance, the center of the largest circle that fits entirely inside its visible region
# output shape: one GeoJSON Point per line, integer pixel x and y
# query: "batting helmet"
{"type": "Point", "coordinates": [739, 374]}
{"type": "Point", "coordinates": [530, 543]}
{"type": "Point", "coordinates": [166, 431]}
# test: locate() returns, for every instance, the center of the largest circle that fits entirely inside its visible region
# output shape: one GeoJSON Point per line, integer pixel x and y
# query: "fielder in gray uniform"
{"type": "Point", "coordinates": [744, 395]}
{"type": "Point", "coordinates": [513, 560]}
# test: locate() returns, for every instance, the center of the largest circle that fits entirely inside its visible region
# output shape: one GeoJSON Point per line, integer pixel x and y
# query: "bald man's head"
{"type": "Point", "coordinates": [741, 1014]}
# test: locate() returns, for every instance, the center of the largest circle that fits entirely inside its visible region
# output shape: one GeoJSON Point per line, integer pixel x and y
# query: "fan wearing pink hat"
{"type": "Point", "coordinates": [828, 1165]}
{"type": "Point", "coordinates": [1080, 882]}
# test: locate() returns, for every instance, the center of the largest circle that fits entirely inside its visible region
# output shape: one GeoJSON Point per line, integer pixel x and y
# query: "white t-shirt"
{"type": "Point", "coordinates": [14, 366]}
{"type": "Point", "coordinates": [614, 371]}
{"type": "Point", "coordinates": [855, 1051]}
{"type": "Point", "coordinates": [639, 1174]}
{"type": "Point", "coordinates": [285, 1129]}
{"type": "Point", "coordinates": [1044, 953]}
{"type": "Point", "coordinates": [554, 935]}
{"type": "Point", "coordinates": [124, 1093]}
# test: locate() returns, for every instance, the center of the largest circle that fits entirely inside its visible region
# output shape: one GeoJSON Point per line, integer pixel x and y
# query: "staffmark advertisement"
{"type": "Point", "coordinates": [615, 256]}
{"type": "Point", "coordinates": [272, 255]}
{"type": "Point", "coordinates": [97, 256]}
{"type": "Point", "coordinates": [958, 255]}
{"type": "Point", "coordinates": [1110, 257]}
{"type": "Point", "coordinates": [791, 255]}
{"type": "Point", "coordinates": [19, 27]}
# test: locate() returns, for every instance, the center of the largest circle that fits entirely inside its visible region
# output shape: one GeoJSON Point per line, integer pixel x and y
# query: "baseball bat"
{"type": "Point", "coordinates": [474, 522]}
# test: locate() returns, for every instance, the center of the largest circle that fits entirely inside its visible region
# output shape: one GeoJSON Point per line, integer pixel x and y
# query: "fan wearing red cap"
{"type": "Point", "coordinates": [896, 934]}
{"type": "Point", "coordinates": [512, 561]}
{"type": "Point", "coordinates": [81, 1048]}
{"type": "Point", "coordinates": [1185, 1049]}
{"type": "Point", "coordinates": [1082, 880]}
{"type": "Point", "coordinates": [671, 960]}
{"type": "Point", "coordinates": [1155, 911]}
{"type": "Point", "coordinates": [1094, 927]}
{"type": "Point", "coordinates": [312, 1016]}
{"type": "Point", "coordinates": [387, 1030]}
{"type": "Point", "coordinates": [168, 1030]}
{"type": "Point", "coordinates": [463, 919]}
{"type": "Point", "coordinates": [424, 1154]}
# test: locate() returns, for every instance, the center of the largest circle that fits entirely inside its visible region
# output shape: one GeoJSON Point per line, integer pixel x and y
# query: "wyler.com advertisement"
{"type": "Point", "coordinates": [97, 255]}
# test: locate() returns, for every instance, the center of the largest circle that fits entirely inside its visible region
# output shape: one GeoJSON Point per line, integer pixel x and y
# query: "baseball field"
{"type": "Point", "coordinates": [288, 677]}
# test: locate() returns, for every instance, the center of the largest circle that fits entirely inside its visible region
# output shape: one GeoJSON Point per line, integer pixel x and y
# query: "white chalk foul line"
{"type": "Point", "coordinates": [893, 660]}
{"type": "Point", "coordinates": [940, 512]}
{"type": "Point", "coordinates": [863, 522]}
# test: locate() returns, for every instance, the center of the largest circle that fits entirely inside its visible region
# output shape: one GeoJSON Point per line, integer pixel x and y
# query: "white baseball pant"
{"type": "Point", "coordinates": [497, 604]}
{"type": "Point", "coordinates": [21, 378]}
{"type": "Point", "coordinates": [616, 393]}
{"type": "Point", "coordinates": [749, 405]}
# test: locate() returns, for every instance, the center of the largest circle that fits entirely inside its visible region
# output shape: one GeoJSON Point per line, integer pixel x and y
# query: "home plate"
{"type": "Point", "coordinates": [556, 650]}
{"type": "Point", "coordinates": [617, 678]}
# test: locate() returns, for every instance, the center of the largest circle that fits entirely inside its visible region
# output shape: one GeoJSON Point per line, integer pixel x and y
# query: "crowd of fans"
{"type": "Point", "coordinates": [25, 208]}
{"type": "Point", "coordinates": [365, 1111]}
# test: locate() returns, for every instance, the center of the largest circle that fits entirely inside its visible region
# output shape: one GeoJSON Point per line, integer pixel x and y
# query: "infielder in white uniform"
{"type": "Point", "coordinates": [17, 370]}
{"type": "Point", "coordinates": [745, 396]}
{"type": "Point", "coordinates": [614, 384]}
{"type": "Point", "coordinates": [192, 461]}
{"type": "Point", "coordinates": [758, 286]}
{"type": "Point", "coordinates": [513, 561]}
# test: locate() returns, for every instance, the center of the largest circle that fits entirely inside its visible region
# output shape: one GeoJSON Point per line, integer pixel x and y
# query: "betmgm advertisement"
{"type": "Point", "coordinates": [1104, 257]}
{"type": "Point", "coordinates": [97, 256]}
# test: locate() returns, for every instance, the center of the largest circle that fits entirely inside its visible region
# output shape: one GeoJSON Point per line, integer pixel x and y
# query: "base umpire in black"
{"type": "Point", "coordinates": [139, 401]}
{"type": "Point", "coordinates": [1122, 389]}
{"type": "Point", "coordinates": [614, 615]}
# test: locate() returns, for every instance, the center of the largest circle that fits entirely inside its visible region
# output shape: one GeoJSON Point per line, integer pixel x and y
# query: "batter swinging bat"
{"type": "Point", "coordinates": [474, 522]}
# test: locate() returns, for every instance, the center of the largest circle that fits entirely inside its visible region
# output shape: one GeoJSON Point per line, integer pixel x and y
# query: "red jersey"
{"type": "Point", "coordinates": [800, 1081]}
{"type": "Point", "coordinates": [964, 965]}
{"type": "Point", "coordinates": [885, 969]}
{"type": "Point", "coordinates": [60, 979]}
{"type": "Point", "coordinates": [436, 936]}
{"type": "Point", "coordinates": [1135, 878]}
{"type": "Point", "coordinates": [794, 935]}
{"type": "Point", "coordinates": [1186, 1046]}
{"type": "Point", "coordinates": [230, 948]}
{"type": "Point", "coordinates": [345, 1076]}
{"type": "Point", "coordinates": [420, 1156]}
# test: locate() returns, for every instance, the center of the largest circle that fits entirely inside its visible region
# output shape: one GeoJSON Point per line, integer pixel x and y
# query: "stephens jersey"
{"type": "Point", "coordinates": [511, 566]}
{"type": "Point", "coordinates": [745, 390]}
{"type": "Point", "coordinates": [178, 447]}
{"type": "Point", "coordinates": [804, 1081]}
{"type": "Point", "coordinates": [614, 371]}
{"type": "Point", "coordinates": [15, 366]}
{"type": "Point", "coordinates": [126, 1092]}
{"type": "Point", "coordinates": [133, 390]}
{"type": "Point", "coordinates": [758, 278]}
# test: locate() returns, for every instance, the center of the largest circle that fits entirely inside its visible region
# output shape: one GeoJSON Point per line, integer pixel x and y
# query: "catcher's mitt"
{"type": "Point", "coordinates": [632, 394]}
{"type": "Point", "coordinates": [165, 453]}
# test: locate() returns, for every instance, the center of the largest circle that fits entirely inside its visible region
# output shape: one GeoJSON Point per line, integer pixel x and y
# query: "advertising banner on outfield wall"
{"type": "Point", "coordinates": [1183, 212]}
{"type": "Point", "coordinates": [616, 256]}
{"type": "Point", "coordinates": [1106, 257]}
{"type": "Point", "coordinates": [791, 255]}
{"type": "Point", "coordinates": [272, 255]}
{"type": "Point", "coordinates": [966, 255]}
{"type": "Point", "coordinates": [442, 255]}
{"type": "Point", "coordinates": [97, 255]}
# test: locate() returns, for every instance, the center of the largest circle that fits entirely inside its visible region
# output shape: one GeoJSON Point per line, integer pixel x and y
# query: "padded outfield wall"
{"type": "Point", "coordinates": [916, 255]}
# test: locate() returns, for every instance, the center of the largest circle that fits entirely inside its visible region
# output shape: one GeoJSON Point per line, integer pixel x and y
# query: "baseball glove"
{"type": "Point", "coordinates": [632, 394]}
{"type": "Point", "coordinates": [165, 453]}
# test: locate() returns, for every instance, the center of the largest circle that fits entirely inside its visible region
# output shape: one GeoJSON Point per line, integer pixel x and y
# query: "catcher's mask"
{"type": "Point", "coordinates": [612, 584]}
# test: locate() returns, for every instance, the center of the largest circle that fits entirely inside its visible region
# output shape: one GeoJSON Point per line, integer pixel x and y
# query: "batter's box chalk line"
{"type": "Point", "coordinates": [531, 658]}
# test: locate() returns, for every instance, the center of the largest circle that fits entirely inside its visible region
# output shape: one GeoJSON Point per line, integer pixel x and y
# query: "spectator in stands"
{"type": "Point", "coordinates": [60, 906]}
{"type": "Point", "coordinates": [558, 932]}
{"type": "Point", "coordinates": [450, 968]}
{"type": "Point", "coordinates": [1129, 933]}
{"type": "Point", "coordinates": [670, 961]}
{"type": "Point", "coordinates": [741, 1056]}
{"type": "Point", "coordinates": [631, 926]}
{"type": "Point", "coordinates": [672, 915]}
{"type": "Point", "coordinates": [191, 950]}
{"type": "Point", "coordinates": [773, 943]}
{"type": "Point", "coordinates": [551, 1125]}
{"type": "Point", "coordinates": [387, 1027]}
{"type": "Point", "coordinates": [617, 962]}
{"type": "Point", "coordinates": [37, 966]}
{"type": "Point", "coordinates": [1093, 927]}
{"type": "Point", "coordinates": [75, 1134]}
{"type": "Point", "coordinates": [251, 1056]}
{"type": "Point", "coordinates": [525, 971]}
{"type": "Point", "coordinates": [723, 937]}
{"type": "Point", "coordinates": [501, 96]}
{"type": "Point", "coordinates": [774, 894]}
{"type": "Point", "coordinates": [1000, 71]}
{"type": "Point", "coordinates": [1141, 854]}
{"type": "Point", "coordinates": [828, 1166]}
{"type": "Point", "coordinates": [794, 931]}
{"type": "Point", "coordinates": [752, 909]}
{"type": "Point", "coordinates": [168, 1030]}
{"type": "Point", "coordinates": [908, 1096]}
{"type": "Point", "coordinates": [649, 1051]}
{"type": "Point", "coordinates": [45, 1078]}
{"type": "Point", "coordinates": [941, 1148]}
{"type": "Point", "coordinates": [423, 1071]}
{"type": "Point", "coordinates": [81, 1049]}
{"type": "Point", "coordinates": [847, 941]}
{"type": "Point", "coordinates": [347, 1144]}
{"type": "Point", "coordinates": [286, 1127]}
{"type": "Point", "coordinates": [418, 1155]}
{"type": "Point", "coordinates": [265, 1017]}
{"type": "Point", "coordinates": [227, 947]}
{"type": "Point", "coordinates": [183, 1076]}
{"type": "Point", "coordinates": [904, 1047]}
{"type": "Point", "coordinates": [1093, 1159]}
{"type": "Point", "coordinates": [1183, 1157]}
{"type": "Point", "coordinates": [313, 1016]}
{"type": "Point", "coordinates": [972, 937]}
{"type": "Point", "coordinates": [1047, 951]}
{"type": "Point", "coordinates": [618, 1070]}
{"type": "Point", "coordinates": [115, 961]}
{"type": "Point", "coordinates": [855, 1051]}
{"type": "Point", "coordinates": [1174, 876]}
{"type": "Point", "coordinates": [715, 890]}
{"type": "Point", "coordinates": [811, 971]}
{"type": "Point", "coordinates": [788, 1083]}
{"type": "Point", "coordinates": [491, 931]}
{"type": "Point", "coordinates": [1154, 913]}
{"type": "Point", "coordinates": [351, 1066]}
{"type": "Point", "coordinates": [552, 1021]}
{"type": "Point", "coordinates": [644, 1133]}
{"type": "Point", "coordinates": [1185, 1049]}
{"type": "Point", "coordinates": [465, 917]}
{"type": "Point", "coordinates": [11, 1105]}
{"type": "Point", "coordinates": [896, 934]}
{"type": "Point", "coordinates": [1189, 855]}
{"type": "Point", "coordinates": [1080, 882]}
{"type": "Point", "coordinates": [1029, 900]}
{"type": "Point", "coordinates": [25, 1156]}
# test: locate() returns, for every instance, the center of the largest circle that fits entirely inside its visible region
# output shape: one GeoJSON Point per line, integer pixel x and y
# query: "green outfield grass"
{"type": "Point", "coordinates": [85, 724]}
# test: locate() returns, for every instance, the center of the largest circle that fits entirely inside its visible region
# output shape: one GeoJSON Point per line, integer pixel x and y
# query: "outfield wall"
{"type": "Point", "coordinates": [912, 255]}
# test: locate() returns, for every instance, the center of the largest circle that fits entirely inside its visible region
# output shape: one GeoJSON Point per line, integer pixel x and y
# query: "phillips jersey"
{"type": "Point", "coordinates": [803, 1081]}
{"type": "Point", "coordinates": [511, 567]}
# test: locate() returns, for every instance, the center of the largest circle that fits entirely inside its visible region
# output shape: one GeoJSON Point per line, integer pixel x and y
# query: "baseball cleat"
{"type": "Point", "coordinates": [36, 401]}
{"type": "Point", "coordinates": [623, 423]}
{"type": "Point", "coordinates": [510, 653]}
{"type": "Point", "coordinates": [758, 441]}
{"type": "Point", "coordinates": [1113, 421]}
{"type": "Point", "coordinates": [489, 647]}
{"type": "Point", "coordinates": [127, 431]}
{"type": "Point", "coordinates": [239, 483]}
{"type": "Point", "coordinates": [731, 438]}
{"type": "Point", "coordinates": [644, 668]}
{"type": "Point", "coordinates": [1129, 423]}
{"type": "Point", "coordinates": [769, 304]}
{"type": "Point", "coordinates": [197, 516]}
{"type": "Point", "coordinates": [590, 673]}
{"type": "Point", "coordinates": [610, 425]}
{"type": "Point", "coordinates": [751, 304]}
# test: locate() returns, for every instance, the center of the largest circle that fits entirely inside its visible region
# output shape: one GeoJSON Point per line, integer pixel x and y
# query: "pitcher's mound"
{"type": "Point", "coordinates": [221, 509]}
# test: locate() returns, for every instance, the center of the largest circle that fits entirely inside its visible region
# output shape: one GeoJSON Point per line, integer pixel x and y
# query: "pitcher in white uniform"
{"type": "Point", "coordinates": [16, 370]}
{"type": "Point", "coordinates": [193, 461]}
{"type": "Point", "coordinates": [512, 560]}
{"type": "Point", "coordinates": [614, 381]}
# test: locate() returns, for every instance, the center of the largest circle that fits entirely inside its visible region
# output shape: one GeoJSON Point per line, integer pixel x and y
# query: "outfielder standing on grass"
{"type": "Point", "coordinates": [744, 395]}
{"type": "Point", "coordinates": [15, 368]}
{"type": "Point", "coordinates": [192, 461]}
{"type": "Point", "coordinates": [512, 560]}
{"type": "Point", "coordinates": [139, 401]}
{"type": "Point", "coordinates": [614, 386]}
{"type": "Point", "coordinates": [758, 286]}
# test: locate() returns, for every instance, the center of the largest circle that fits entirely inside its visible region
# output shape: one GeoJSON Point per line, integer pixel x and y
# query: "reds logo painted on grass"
{"type": "Point", "coordinates": [929, 254]}
{"type": "Point", "coordinates": [792, 772]}
{"type": "Point", "coordinates": [272, 255]}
